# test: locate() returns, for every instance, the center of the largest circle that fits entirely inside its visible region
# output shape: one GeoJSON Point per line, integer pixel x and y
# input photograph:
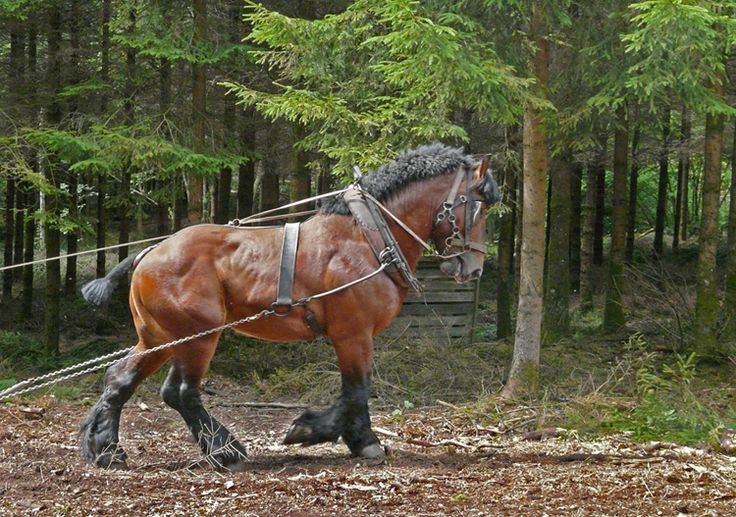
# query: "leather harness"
{"type": "Point", "coordinates": [382, 242]}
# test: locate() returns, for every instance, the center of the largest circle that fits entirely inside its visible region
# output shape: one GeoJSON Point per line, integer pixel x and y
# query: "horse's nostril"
{"type": "Point", "coordinates": [476, 274]}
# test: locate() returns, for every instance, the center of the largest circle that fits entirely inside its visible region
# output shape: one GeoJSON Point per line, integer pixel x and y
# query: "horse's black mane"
{"type": "Point", "coordinates": [413, 165]}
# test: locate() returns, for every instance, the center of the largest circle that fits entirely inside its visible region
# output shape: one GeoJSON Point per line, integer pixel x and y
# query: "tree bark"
{"type": "Point", "coordinates": [707, 304]}
{"type": "Point", "coordinates": [587, 268]}
{"type": "Point", "coordinates": [518, 229]}
{"type": "Point", "coordinates": [17, 51]}
{"type": "Point", "coordinates": [300, 186]}
{"type": "Point", "coordinates": [16, 54]}
{"type": "Point", "coordinates": [730, 288]}
{"type": "Point", "coordinates": [600, 199]}
{"type": "Point", "coordinates": [505, 282]}
{"type": "Point", "coordinates": [633, 196]}
{"type": "Point", "coordinates": [195, 182]}
{"type": "Point", "coordinates": [575, 219]}
{"type": "Point", "coordinates": [685, 157]}
{"type": "Point", "coordinates": [164, 104]}
{"type": "Point", "coordinates": [524, 371]}
{"type": "Point", "coordinates": [664, 160]}
{"type": "Point", "coordinates": [9, 228]}
{"type": "Point", "coordinates": [32, 200]}
{"type": "Point", "coordinates": [681, 179]}
{"type": "Point", "coordinates": [613, 315]}
{"type": "Point", "coordinates": [72, 237]}
{"type": "Point", "coordinates": [101, 183]}
{"type": "Point", "coordinates": [556, 321]}
{"type": "Point", "coordinates": [269, 189]}
{"type": "Point", "coordinates": [52, 237]}
{"type": "Point", "coordinates": [129, 113]}
{"type": "Point", "coordinates": [246, 171]}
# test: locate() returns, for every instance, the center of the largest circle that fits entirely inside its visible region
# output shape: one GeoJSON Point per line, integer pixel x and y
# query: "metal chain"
{"type": "Point", "coordinates": [13, 390]}
{"type": "Point", "coordinates": [58, 376]}
{"type": "Point", "coordinates": [388, 256]}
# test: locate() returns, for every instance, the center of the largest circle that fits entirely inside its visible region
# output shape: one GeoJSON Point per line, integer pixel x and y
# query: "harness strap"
{"type": "Point", "coordinates": [468, 207]}
{"type": "Point", "coordinates": [314, 325]}
{"type": "Point", "coordinates": [455, 187]}
{"type": "Point", "coordinates": [286, 271]}
{"type": "Point", "coordinates": [379, 237]}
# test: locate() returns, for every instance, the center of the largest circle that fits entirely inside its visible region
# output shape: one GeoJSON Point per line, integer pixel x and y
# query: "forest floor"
{"type": "Point", "coordinates": [441, 461]}
{"type": "Point", "coordinates": [618, 424]}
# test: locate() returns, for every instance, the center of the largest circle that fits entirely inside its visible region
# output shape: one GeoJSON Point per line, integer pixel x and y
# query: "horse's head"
{"type": "Point", "coordinates": [460, 227]}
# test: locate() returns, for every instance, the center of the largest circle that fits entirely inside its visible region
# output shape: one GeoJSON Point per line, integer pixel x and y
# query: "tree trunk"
{"type": "Point", "coordinates": [680, 181]}
{"type": "Point", "coordinates": [30, 237]}
{"type": "Point", "coordinates": [664, 160]}
{"type": "Point", "coordinates": [72, 237]}
{"type": "Point", "coordinates": [225, 179]}
{"type": "Point", "coordinates": [20, 212]}
{"type": "Point", "coordinates": [164, 104]}
{"type": "Point", "coordinates": [523, 374]}
{"type": "Point", "coordinates": [730, 297]}
{"type": "Point", "coordinates": [519, 230]}
{"type": "Point", "coordinates": [9, 227]}
{"type": "Point", "coordinates": [707, 304]}
{"type": "Point", "coordinates": [180, 202]}
{"type": "Point", "coordinates": [685, 157]}
{"type": "Point", "coordinates": [587, 268]}
{"type": "Point", "coordinates": [633, 196]}
{"type": "Point", "coordinates": [505, 282]}
{"type": "Point", "coordinates": [195, 183]}
{"type": "Point", "coordinates": [32, 199]}
{"type": "Point", "coordinates": [301, 178]}
{"type": "Point", "coordinates": [697, 184]}
{"type": "Point", "coordinates": [129, 113]}
{"type": "Point", "coordinates": [613, 315]}
{"type": "Point", "coordinates": [600, 199]}
{"type": "Point", "coordinates": [16, 53]}
{"type": "Point", "coordinates": [100, 262]}
{"type": "Point", "coordinates": [246, 171]}
{"type": "Point", "coordinates": [556, 322]}
{"type": "Point", "coordinates": [575, 219]}
{"type": "Point", "coordinates": [269, 188]}
{"type": "Point", "coordinates": [52, 237]}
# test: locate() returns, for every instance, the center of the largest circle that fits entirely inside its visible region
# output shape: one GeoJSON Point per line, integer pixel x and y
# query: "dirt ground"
{"type": "Point", "coordinates": [438, 464]}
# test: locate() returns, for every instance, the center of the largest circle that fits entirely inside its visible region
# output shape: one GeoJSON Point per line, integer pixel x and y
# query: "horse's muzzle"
{"type": "Point", "coordinates": [456, 268]}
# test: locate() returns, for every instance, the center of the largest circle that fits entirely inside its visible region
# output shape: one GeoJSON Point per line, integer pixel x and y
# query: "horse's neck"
{"type": "Point", "coordinates": [416, 206]}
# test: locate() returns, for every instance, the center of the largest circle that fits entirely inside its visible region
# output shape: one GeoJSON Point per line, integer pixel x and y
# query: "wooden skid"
{"type": "Point", "coordinates": [444, 309]}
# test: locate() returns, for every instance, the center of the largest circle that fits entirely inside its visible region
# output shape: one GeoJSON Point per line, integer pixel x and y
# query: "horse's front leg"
{"type": "Point", "coordinates": [349, 416]}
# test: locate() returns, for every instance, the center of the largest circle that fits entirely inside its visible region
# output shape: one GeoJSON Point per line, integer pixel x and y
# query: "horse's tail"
{"type": "Point", "coordinates": [100, 290]}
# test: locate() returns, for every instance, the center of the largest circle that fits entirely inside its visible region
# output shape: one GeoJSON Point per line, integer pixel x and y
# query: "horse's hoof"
{"type": "Point", "coordinates": [374, 451]}
{"type": "Point", "coordinates": [298, 433]}
{"type": "Point", "coordinates": [238, 466]}
{"type": "Point", "coordinates": [115, 459]}
{"type": "Point", "coordinates": [112, 463]}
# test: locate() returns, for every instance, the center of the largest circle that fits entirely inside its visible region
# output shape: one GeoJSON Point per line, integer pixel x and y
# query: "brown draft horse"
{"type": "Point", "coordinates": [207, 275]}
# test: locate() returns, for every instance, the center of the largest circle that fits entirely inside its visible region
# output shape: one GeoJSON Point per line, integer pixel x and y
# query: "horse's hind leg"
{"type": "Point", "coordinates": [349, 416]}
{"type": "Point", "coordinates": [99, 431]}
{"type": "Point", "coordinates": [181, 392]}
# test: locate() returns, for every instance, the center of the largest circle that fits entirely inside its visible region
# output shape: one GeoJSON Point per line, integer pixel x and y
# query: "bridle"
{"type": "Point", "coordinates": [387, 249]}
{"type": "Point", "coordinates": [472, 207]}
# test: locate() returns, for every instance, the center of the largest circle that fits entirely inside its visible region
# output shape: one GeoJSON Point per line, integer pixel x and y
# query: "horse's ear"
{"type": "Point", "coordinates": [481, 169]}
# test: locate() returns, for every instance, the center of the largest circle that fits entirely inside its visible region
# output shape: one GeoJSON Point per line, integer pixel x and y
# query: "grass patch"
{"type": "Point", "coordinates": [657, 397]}
{"type": "Point", "coordinates": [417, 370]}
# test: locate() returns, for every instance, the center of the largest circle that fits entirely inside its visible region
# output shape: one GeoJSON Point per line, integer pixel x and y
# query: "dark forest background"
{"type": "Point", "coordinates": [609, 125]}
